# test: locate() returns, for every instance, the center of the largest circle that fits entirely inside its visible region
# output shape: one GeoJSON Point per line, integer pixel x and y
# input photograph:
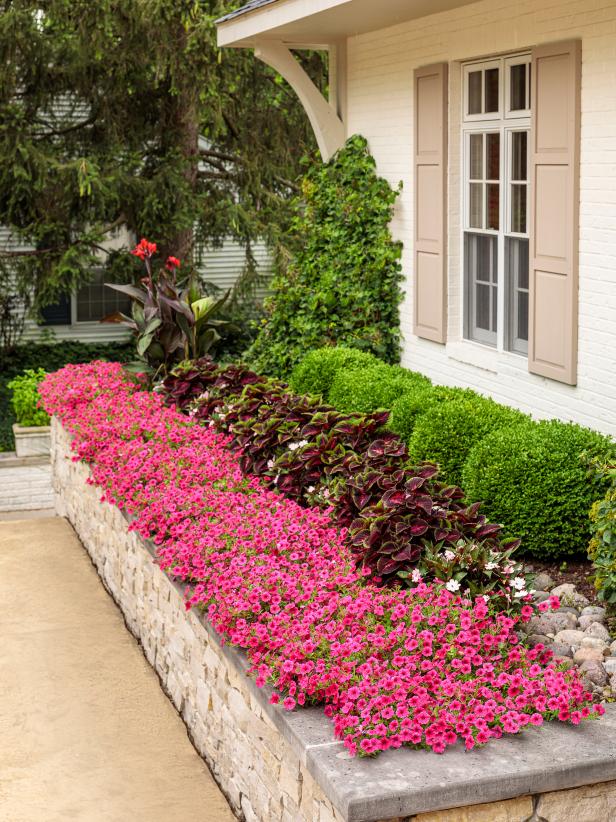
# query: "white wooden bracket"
{"type": "Point", "coordinates": [326, 124]}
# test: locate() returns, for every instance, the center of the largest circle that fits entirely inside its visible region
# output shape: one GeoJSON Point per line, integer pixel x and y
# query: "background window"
{"type": "Point", "coordinates": [95, 301]}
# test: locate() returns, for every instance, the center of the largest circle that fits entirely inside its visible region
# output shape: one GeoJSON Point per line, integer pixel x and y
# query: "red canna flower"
{"type": "Point", "coordinates": [172, 263]}
{"type": "Point", "coordinates": [144, 249]}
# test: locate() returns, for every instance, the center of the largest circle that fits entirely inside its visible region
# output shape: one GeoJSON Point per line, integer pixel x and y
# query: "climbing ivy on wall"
{"type": "Point", "coordinates": [342, 283]}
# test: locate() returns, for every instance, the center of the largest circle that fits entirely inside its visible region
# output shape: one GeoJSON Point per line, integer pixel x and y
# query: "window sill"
{"type": "Point", "coordinates": [486, 358]}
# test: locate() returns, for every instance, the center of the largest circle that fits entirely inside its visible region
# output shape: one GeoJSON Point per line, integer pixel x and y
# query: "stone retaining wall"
{"type": "Point", "coordinates": [279, 766]}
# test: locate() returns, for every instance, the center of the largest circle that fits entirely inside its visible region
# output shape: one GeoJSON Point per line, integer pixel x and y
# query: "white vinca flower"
{"type": "Point", "coordinates": [310, 489]}
{"type": "Point", "coordinates": [490, 566]}
{"type": "Point", "coordinates": [449, 555]}
{"type": "Point", "coordinates": [416, 575]}
{"type": "Point", "coordinates": [270, 464]}
{"type": "Point", "coordinates": [453, 586]}
{"type": "Point", "coordinates": [519, 583]}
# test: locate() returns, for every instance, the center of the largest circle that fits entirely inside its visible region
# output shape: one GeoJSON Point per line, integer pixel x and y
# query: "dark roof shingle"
{"type": "Point", "coordinates": [250, 6]}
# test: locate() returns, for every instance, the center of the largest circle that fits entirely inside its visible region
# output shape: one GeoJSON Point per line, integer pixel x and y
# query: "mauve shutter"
{"type": "Point", "coordinates": [554, 210]}
{"type": "Point", "coordinates": [430, 254]}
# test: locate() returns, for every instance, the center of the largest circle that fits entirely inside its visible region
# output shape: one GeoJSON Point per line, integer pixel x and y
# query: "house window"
{"type": "Point", "coordinates": [495, 134]}
{"type": "Point", "coordinates": [95, 300]}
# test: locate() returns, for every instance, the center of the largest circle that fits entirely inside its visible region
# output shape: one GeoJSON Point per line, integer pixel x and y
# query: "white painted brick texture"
{"type": "Point", "coordinates": [380, 106]}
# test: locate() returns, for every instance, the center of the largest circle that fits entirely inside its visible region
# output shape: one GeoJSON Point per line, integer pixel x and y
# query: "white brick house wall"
{"type": "Point", "coordinates": [380, 106]}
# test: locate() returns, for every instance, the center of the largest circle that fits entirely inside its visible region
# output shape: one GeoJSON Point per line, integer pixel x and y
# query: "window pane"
{"type": "Point", "coordinates": [476, 156]}
{"type": "Point", "coordinates": [519, 166]}
{"type": "Point", "coordinates": [476, 205]}
{"type": "Point", "coordinates": [492, 156]}
{"type": "Point", "coordinates": [518, 209]}
{"type": "Point", "coordinates": [481, 292]}
{"type": "Point", "coordinates": [522, 329]}
{"type": "Point", "coordinates": [517, 88]}
{"type": "Point", "coordinates": [492, 205]}
{"type": "Point", "coordinates": [474, 92]}
{"type": "Point", "coordinates": [95, 300]}
{"type": "Point", "coordinates": [522, 263]}
{"type": "Point", "coordinates": [491, 89]}
{"type": "Point", "coordinates": [516, 309]}
{"type": "Point", "coordinates": [482, 307]}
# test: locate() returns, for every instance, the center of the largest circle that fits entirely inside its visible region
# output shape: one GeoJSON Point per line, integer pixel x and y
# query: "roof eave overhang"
{"type": "Point", "coordinates": [307, 23]}
{"type": "Point", "coordinates": [271, 21]}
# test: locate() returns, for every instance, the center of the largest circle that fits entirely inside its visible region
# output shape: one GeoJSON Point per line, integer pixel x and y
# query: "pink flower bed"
{"type": "Point", "coordinates": [393, 667]}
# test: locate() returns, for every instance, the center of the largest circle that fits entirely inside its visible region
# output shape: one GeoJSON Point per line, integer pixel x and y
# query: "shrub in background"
{"type": "Point", "coordinates": [368, 389]}
{"type": "Point", "coordinates": [602, 547]}
{"type": "Point", "coordinates": [49, 356]}
{"type": "Point", "coordinates": [532, 479]}
{"type": "Point", "coordinates": [447, 431]}
{"type": "Point", "coordinates": [343, 285]}
{"type": "Point", "coordinates": [411, 405]}
{"type": "Point", "coordinates": [316, 371]}
{"type": "Point", "coordinates": [25, 398]}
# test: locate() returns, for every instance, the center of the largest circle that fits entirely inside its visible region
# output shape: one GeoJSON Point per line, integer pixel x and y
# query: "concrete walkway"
{"type": "Point", "coordinates": [86, 732]}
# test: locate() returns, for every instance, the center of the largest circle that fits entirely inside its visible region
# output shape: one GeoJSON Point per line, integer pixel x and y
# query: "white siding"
{"type": "Point", "coordinates": [380, 106]}
{"type": "Point", "coordinates": [221, 266]}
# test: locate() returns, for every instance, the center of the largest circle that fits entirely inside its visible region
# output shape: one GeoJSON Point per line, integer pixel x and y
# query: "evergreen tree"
{"type": "Point", "coordinates": [124, 112]}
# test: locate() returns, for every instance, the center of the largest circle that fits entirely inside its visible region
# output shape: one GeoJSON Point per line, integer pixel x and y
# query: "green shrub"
{"type": "Point", "coordinates": [410, 406]}
{"type": "Point", "coordinates": [531, 478]}
{"type": "Point", "coordinates": [602, 547]}
{"type": "Point", "coordinates": [316, 371]}
{"type": "Point", "coordinates": [50, 357]}
{"type": "Point", "coordinates": [368, 389]}
{"type": "Point", "coordinates": [447, 431]}
{"type": "Point", "coordinates": [25, 398]}
{"type": "Point", "coordinates": [342, 285]}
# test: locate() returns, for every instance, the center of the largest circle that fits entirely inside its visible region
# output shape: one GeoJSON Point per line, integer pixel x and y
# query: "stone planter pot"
{"type": "Point", "coordinates": [279, 766]}
{"type": "Point", "coordinates": [32, 441]}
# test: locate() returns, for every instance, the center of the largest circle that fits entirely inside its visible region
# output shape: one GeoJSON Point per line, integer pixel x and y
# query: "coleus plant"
{"type": "Point", "coordinates": [171, 320]}
{"type": "Point", "coordinates": [401, 522]}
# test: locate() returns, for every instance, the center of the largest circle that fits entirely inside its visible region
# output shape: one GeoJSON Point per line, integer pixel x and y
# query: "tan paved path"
{"type": "Point", "coordinates": [86, 733]}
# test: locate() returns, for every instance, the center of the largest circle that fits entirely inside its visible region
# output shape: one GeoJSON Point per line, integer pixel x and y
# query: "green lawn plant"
{"type": "Point", "coordinates": [316, 371]}
{"type": "Point", "coordinates": [532, 479]}
{"type": "Point", "coordinates": [602, 547]}
{"type": "Point", "coordinates": [407, 409]}
{"type": "Point", "coordinates": [377, 387]}
{"type": "Point", "coordinates": [25, 398]}
{"type": "Point", "coordinates": [447, 431]}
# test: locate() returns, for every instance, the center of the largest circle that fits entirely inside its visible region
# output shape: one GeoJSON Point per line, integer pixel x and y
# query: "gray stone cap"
{"type": "Point", "coordinates": [404, 782]}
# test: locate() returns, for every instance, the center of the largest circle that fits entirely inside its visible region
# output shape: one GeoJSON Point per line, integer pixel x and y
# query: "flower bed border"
{"type": "Point", "coordinates": [289, 766]}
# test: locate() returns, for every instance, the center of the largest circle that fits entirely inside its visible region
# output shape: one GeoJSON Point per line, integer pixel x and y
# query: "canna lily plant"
{"type": "Point", "coordinates": [172, 321]}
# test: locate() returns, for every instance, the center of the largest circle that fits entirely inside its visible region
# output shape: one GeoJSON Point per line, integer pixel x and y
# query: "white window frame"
{"type": "Point", "coordinates": [517, 60]}
{"type": "Point", "coordinates": [480, 65]}
{"type": "Point", "coordinates": [505, 123]}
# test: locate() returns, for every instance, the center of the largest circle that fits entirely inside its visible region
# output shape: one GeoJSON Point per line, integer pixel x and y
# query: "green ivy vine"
{"type": "Point", "coordinates": [342, 285]}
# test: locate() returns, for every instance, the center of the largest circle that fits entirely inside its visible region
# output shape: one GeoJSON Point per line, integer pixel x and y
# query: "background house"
{"type": "Point", "coordinates": [500, 120]}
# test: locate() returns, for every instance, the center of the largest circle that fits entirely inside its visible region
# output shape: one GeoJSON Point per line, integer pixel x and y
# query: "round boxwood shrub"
{"type": "Point", "coordinates": [532, 479]}
{"type": "Point", "coordinates": [316, 371]}
{"type": "Point", "coordinates": [415, 402]}
{"type": "Point", "coordinates": [447, 431]}
{"type": "Point", "coordinates": [368, 389]}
